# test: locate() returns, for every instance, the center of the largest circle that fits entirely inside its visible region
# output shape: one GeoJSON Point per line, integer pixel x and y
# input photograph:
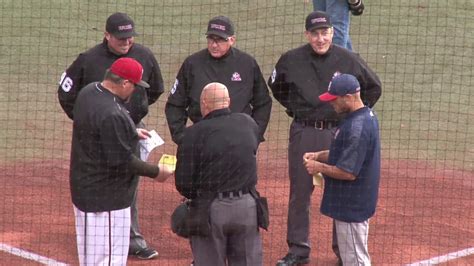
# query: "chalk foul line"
{"type": "Point", "coordinates": [444, 258]}
{"type": "Point", "coordinates": [29, 255]}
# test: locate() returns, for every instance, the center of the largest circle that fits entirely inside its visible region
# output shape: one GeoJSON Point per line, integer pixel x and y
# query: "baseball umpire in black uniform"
{"type": "Point", "coordinates": [299, 77]}
{"type": "Point", "coordinates": [220, 62]}
{"type": "Point", "coordinates": [91, 65]}
{"type": "Point", "coordinates": [104, 169]}
{"type": "Point", "coordinates": [217, 160]}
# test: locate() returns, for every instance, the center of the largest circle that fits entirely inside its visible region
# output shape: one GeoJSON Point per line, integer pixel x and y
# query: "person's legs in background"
{"type": "Point", "coordinates": [338, 11]}
{"type": "Point", "coordinates": [319, 5]}
{"type": "Point", "coordinates": [302, 139]}
{"type": "Point", "coordinates": [138, 246]}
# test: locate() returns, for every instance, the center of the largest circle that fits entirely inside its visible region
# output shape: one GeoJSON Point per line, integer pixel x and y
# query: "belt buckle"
{"type": "Point", "coordinates": [319, 124]}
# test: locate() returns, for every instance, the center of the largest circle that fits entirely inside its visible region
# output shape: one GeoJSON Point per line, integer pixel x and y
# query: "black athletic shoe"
{"type": "Point", "coordinates": [292, 260]}
{"type": "Point", "coordinates": [146, 253]}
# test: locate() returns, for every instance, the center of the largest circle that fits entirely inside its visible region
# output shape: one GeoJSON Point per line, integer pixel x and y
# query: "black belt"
{"type": "Point", "coordinates": [233, 193]}
{"type": "Point", "coordinates": [320, 124]}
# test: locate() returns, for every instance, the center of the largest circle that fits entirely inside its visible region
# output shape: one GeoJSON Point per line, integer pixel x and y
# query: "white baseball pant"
{"type": "Point", "coordinates": [103, 237]}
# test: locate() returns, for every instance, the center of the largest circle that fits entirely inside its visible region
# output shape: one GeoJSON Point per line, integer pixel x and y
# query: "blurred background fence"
{"type": "Point", "coordinates": [422, 51]}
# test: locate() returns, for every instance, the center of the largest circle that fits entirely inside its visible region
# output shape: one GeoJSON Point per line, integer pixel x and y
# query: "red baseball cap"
{"type": "Point", "coordinates": [130, 69]}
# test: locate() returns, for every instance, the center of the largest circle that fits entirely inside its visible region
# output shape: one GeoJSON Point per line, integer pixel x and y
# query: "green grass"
{"type": "Point", "coordinates": [422, 51]}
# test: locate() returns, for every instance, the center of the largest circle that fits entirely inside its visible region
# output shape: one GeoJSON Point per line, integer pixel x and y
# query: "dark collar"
{"type": "Point", "coordinates": [107, 92]}
{"type": "Point", "coordinates": [357, 112]}
{"type": "Point", "coordinates": [105, 46]}
{"type": "Point", "coordinates": [313, 53]}
{"type": "Point", "coordinates": [217, 113]}
{"type": "Point", "coordinates": [229, 53]}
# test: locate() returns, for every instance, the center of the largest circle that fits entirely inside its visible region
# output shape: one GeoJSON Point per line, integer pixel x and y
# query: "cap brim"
{"type": "Point", "coordinates": [143, 84]}
{"type": "Point", "coordinates": [123, 35]}
{"type": "Point", "coordinates": [218, 33]}
{"type": "Point", "coordinates": [320, 26]}
{"type": "Point", "coordinates": [327, 97]}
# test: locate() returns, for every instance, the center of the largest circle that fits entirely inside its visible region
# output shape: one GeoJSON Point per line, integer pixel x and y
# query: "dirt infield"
{"type": "Point", "coordinates": [425, 210]}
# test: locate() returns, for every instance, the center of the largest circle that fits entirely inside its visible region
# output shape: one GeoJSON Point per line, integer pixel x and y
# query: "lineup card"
{"type": "Point", "coordinates": [318, 180]}
{"type": "Point", "coordinates": [147, 145]}
{"type": "Point", "coordinates": [168, 160]}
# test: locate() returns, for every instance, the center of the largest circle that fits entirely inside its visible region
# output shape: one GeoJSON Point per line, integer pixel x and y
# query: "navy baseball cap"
{"type": "Point", "coordinates": [220, 26]}
{"type": "Point", "coordinates": [340, 85]}
{"type": "Point", "coordinates": [317, 20]}
{"type": "Point", "coordinates": [120, 25]}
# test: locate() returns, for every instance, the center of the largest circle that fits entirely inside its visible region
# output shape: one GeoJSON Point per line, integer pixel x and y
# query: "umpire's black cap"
{"type": "Point", "coordinates": [120, 25]}
{"type": "Point", "coordinates": [317, 20]}
{"type": "Point", "coordinates": [221, 26]}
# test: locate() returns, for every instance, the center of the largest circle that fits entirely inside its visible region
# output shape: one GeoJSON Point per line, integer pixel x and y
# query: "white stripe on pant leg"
{"type": "Point", "coordinates": [360, 234]}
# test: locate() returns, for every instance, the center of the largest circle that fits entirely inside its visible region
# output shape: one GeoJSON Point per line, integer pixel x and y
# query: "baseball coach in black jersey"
{"type": "Point", "coordinates": [299, 77]}
{"type": "Point", "coordinates": [104, 169]}
{"type": "Point", "coordinates": [222, 63]}
{"type": "Point", "coordinates": [90, 66]}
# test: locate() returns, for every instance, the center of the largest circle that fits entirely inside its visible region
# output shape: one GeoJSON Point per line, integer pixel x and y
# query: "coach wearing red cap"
{"type": "Point", "coordinates": [90, 66]}
{"type": "Point", "coordinates": [351, 169]}
{"type": "Point", "coordinates": [104, 169]}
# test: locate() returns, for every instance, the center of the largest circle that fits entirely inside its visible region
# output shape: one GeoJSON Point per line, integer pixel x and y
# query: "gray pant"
{"type": "Point", "coordinates": [352, 239]}
{"type": "Point", "coordinates": [302, 140]}
{"type": "Point", "coordinates": [234, 239]}
{"type": "Point", "coordinates": [137, 242]}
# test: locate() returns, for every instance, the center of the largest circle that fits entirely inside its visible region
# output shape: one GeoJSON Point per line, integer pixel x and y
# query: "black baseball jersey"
{"type": "Point", "coordinates": [301, 75]}
{"type": "Point", "coordinates": [104, 139]}
{"type": "Point", "coordinates": [91, 65]}
{"type": "Point", "coordinates": [237, 70]}
{"type": "Point", "coordinates": [218, 154]}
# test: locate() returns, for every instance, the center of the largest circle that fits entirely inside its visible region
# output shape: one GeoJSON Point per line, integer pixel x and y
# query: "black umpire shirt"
{"type": "Point", "coordinates": [218, 154]}
{"type": "Point", "coordinates": [103, 141]}
{"type": "Point", "coordinates": [91, 65]}
{"type": "Point", "coordinates": [237, 70]}
{"type": "Point", "coordinates": [301, 75]}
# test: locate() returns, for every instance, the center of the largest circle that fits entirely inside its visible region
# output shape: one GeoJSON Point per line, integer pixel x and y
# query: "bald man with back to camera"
{"type": "Point", "coordinates": [217, 163]}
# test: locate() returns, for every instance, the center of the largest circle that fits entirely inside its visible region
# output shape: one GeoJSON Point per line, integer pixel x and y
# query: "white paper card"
{"type": "Point", "coordinates": [147, 145]}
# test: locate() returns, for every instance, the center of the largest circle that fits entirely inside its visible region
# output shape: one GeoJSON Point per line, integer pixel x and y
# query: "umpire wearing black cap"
{"type": "Point", "coordinates": [299, 77]}
{"type": "Point", "coordinates": [90, 66]}
{"type": "Point", "coordinates": [222, 63]}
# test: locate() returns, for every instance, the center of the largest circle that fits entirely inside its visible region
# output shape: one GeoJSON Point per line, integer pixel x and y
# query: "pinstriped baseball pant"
{"type": "Point", "coordinates": [352, 241]}
{"type": "Point", "coordinates": [102, 237]}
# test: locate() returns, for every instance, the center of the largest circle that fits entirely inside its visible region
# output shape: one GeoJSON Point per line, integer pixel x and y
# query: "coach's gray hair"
{"type": "Point", "coordinates": [112, 77]}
